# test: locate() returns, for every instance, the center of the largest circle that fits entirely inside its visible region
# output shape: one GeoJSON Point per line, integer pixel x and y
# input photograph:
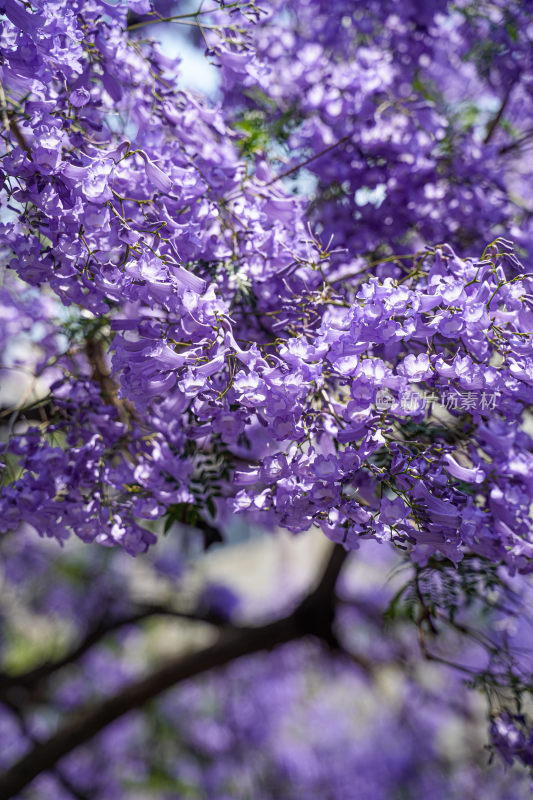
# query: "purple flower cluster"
{"type": "Point", "coordinates": [414, 118]}
{"type": "Point", "coordinates": [451, 314]}
{"type": "Point", "coordinates": [239, 339]}
{"type": "Point", "coordinates": [121, 208]}
{"type": "Point", "coordinates": [510, 738]}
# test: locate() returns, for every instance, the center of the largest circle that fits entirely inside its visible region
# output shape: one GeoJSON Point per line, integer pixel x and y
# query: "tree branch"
{"type": "Point", "coordinates": [33, 677]}
{"type": "Point", "coordinates": [94, 350]}
{"type": "Point", "coordinates": [58, 773]}
{"type": "Point", "coordinates": [314, 616]}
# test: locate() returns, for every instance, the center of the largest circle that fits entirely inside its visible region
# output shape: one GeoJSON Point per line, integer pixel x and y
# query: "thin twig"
{"type": "Point", "coordinates": [304, 163]}
{"type": "Point", "coordinates": [496, 119]}
{"type": "Point", "coordinates": [174, 18]}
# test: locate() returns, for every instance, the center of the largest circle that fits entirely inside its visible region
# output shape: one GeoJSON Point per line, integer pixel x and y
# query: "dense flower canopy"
{"type": "Point", "coordinates": [309, 303]}
{"type": "Point", "coordinates": [233, 324]}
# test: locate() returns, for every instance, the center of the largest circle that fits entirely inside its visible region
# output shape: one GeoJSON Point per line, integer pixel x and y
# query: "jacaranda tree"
{"type": "Point", "coordinates": [307, 302]}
